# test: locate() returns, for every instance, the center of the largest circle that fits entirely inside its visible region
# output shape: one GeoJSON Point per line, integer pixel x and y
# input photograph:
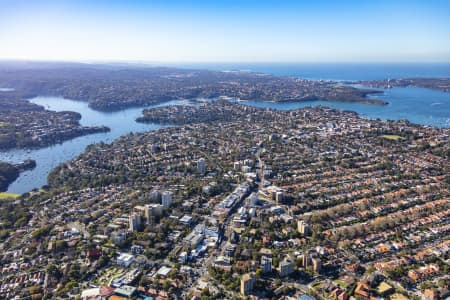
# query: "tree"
{"type": "Point", "coordinates": [277, 282]}
{"type": "Point", "coordinates": [4, 233]}
{"type": "Point", "coordinates": [74, 272]}
{"type": "Point", "coordinates": [36, 289]}
{"type": "Point", "coordinates": [258, 273]}
{"type": "Point", "coordinates": [60, 245]}
{"type": "Point", "coordinates": [53, 271]}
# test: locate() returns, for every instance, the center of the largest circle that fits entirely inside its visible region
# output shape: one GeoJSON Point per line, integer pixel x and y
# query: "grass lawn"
{"type": "Point", "coordinates": [392, 137]}
{"type": "Point", "coordinates": [110, 275]}
{"type": "Point", "coordinates": [4, 195]}
{"type": "Point", "coordinates": [341, 283]}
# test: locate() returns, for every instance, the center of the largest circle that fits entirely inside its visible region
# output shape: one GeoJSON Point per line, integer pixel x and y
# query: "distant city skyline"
{"type": "Point", "coordinates": [225, 31]}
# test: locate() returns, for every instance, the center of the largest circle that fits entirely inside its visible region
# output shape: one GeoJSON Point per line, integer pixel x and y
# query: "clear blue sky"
{"type": "Point", "coordinates": [233, 30]}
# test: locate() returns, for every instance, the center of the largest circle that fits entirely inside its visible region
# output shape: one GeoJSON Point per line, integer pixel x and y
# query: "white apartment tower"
{"type": "Point", "coordinates": [135, 222]}
{"type": "Point", "coordinates": [266, 264]}
{"type": "Point", "coordinates": [201, 166]}
{"type": "Point", "coordinates": [166, 198]}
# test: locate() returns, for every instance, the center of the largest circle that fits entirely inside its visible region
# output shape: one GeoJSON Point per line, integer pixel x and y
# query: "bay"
{"type": "Point", "coordinates": [417, 105]}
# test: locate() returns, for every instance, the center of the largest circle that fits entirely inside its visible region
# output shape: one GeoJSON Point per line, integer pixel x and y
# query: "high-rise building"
{"type": "Point", "coordinates": [303, 227]}
{"type": "Point", "coordinates": [279, 197]}
{"type": "Point", "coordinates": [286, 268]}
{"type": "Point", "coordinates": [306, 261]}
{"type": "Point", "coordinates": [201, 166]}
{"type": "Point", "coordinates": [135, 222]}
{"type": "Point", "coordinates": [266, 264]}
{"type": "Point", "coordinates": [152, 211]}
{"type": "Point", "coordinates": [157, 209]}
{"type": "Point", "coordinates": [155, 196]}
{"type": "Point", "coordinates": [317, 265]}
{"type": "Point", "coordinates": [148, 213]}
{"type": "Point", "coordinates": [166, 198]}
{"type": "Point", "coordinates": [247, 283]}
{"type": "Point", "coordinates": [139, 209]}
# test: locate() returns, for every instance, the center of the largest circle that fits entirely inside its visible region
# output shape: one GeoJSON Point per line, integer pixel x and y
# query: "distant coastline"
{"type": "Point", "coordinates": [113, 88]}
{"type": "Point", "coordinates": [441, 84]}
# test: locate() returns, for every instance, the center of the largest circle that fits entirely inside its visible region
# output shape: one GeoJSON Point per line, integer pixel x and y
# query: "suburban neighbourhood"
{"type": "Point", "coordinates": [237, 202]}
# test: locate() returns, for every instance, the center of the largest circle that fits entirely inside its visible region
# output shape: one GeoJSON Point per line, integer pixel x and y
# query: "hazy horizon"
{"type": "Point", "coordinates": [225, 31]}
{"type": "Point", "coordinates": [172, 62]}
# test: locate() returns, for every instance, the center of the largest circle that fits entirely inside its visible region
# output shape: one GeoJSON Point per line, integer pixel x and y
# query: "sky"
{"type": "Point", "coordinates": [226, 31]}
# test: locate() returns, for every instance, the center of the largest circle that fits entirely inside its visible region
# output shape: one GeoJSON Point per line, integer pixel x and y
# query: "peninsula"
{"type": "Point", "coordinates": [10, 172]}
{"type": "Point", "coordinates": [115, 87]}
{"type": "Point", "coordinates": [27, 125]}
{"type": "Point", "coordinates": [441, 84]}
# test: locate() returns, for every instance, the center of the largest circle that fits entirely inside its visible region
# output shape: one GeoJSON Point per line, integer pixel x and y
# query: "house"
{"type": "Point", "coordinates": [414, 275]}
{"type": "Point", "coordinates": [94, 254]}
{"type": "Point", "coordinates": [382, 248]}
{"type": "Point", "coordinates": [115, 297]}
{"type": "Point", "coordinates": [339, 294]}
{"type": "Point", "coordinates": [430, 294]}
{"type": "Point", "coordinates": [398, 297]}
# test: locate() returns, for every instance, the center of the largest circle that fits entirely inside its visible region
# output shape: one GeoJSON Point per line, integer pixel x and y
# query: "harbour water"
{"type": "Point", "coordinates": [418, 105]}
{"type": "Point", "coordinates": [120, 123]}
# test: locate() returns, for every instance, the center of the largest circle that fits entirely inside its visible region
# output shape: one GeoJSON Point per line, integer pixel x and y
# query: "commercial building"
{"type": "Point", "coordinates": [125, 260]}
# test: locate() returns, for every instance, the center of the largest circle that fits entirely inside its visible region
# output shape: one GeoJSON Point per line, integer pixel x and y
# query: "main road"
{"type": "Point", "coordinates": [204, 275]}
